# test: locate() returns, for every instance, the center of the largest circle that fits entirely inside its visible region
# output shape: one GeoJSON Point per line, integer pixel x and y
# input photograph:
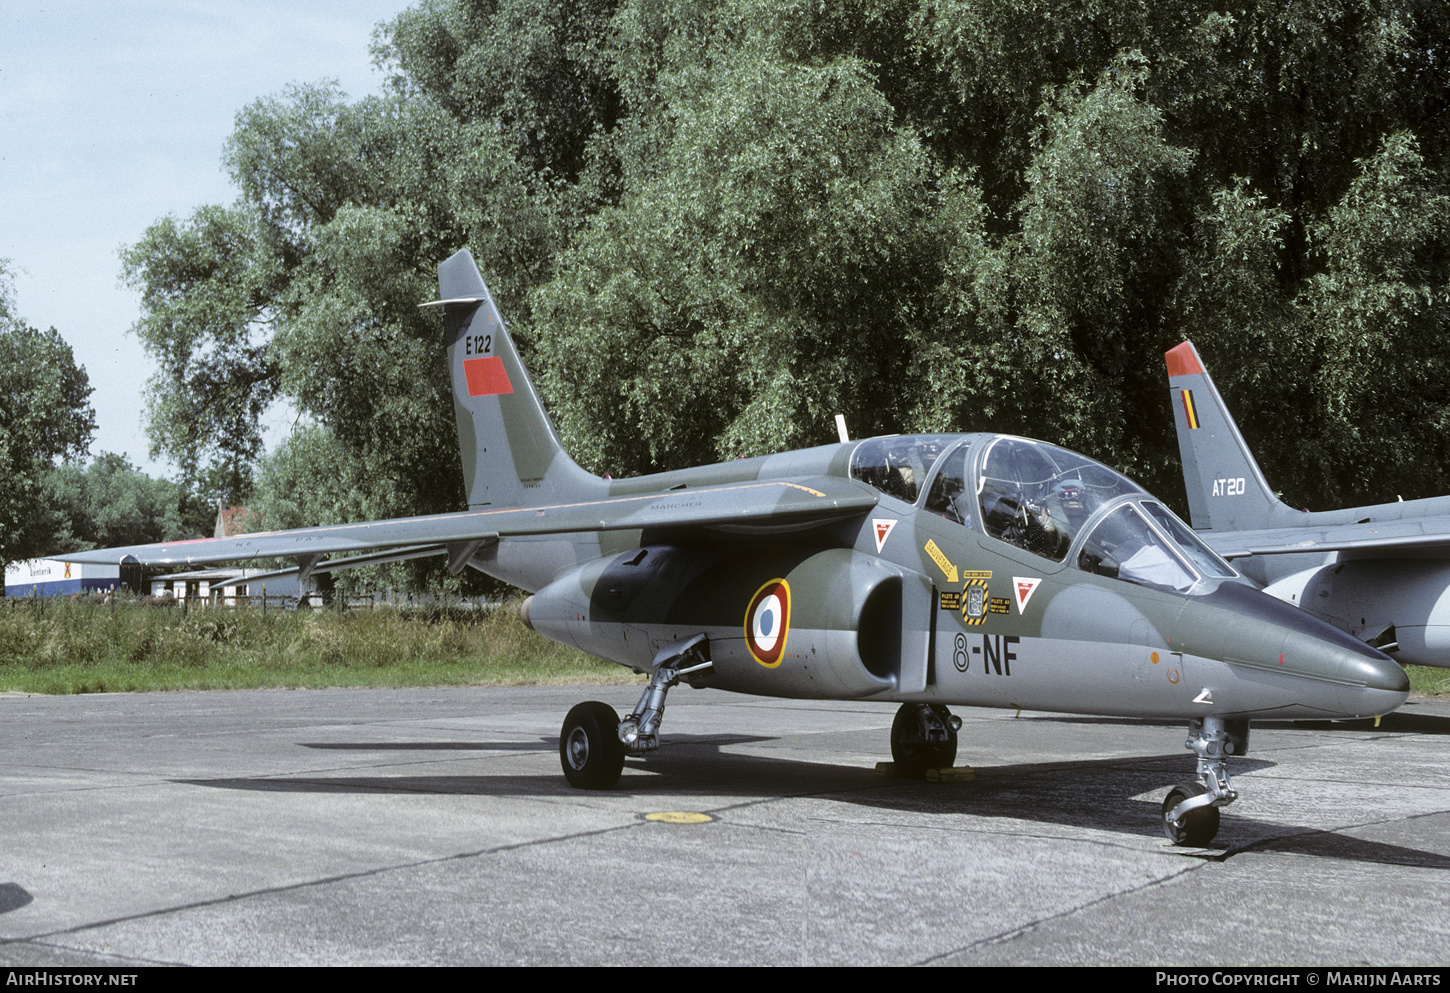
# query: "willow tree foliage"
{"type": "Point", "coordinates": [45, 417]}
{"type": "Point", "coordinates": [714, 225]}
{"type": "Point", "coordinates": [107, 503]}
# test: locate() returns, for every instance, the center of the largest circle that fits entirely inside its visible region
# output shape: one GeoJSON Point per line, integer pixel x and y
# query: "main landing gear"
{"type": "Point", "coordinates": [1190, 810]}
{"type": "Point", "coordinates": [594, 741]}
{"type": "Point", "coordinates": [923, 736]}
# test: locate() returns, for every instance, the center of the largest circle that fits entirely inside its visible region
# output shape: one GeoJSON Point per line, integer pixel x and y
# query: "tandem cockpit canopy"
{"type": "Point", "coordinates": [898, 464]}
{"type": "Point", "coordinates": [1046, 500]}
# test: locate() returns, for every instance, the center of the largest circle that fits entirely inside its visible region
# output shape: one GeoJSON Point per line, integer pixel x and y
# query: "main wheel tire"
{"type": "Point", "coordinates": [1198, 826]}
{"type": "Point", "coordinates": [589, 747]}
{"type": "Point", "coordinates": [911, 752]}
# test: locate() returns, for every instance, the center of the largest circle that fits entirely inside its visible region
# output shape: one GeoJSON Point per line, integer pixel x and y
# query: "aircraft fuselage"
{"type": "Point", "coordinates": [908, 605]}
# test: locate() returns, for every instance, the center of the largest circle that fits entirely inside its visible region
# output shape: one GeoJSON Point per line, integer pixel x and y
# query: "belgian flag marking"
{"type": "Point", "coordinates": [1189, 410]}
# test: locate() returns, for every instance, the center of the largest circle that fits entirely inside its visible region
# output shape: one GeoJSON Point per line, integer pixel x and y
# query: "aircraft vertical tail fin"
{"type": "Point", "coordinates": [511, 453]}
{"type": "Point", "coordinates": [1226, 489]}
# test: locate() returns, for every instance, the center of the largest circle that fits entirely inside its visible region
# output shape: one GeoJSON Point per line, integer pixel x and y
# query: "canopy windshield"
{"type": "Point", "coordinates": [898, 465]}
{"type": "Point", "coordinates": [1123, 546]}
{"type": "Point", "coordinates": [1046, 500]}
{"type": "Point", "coordinates": [1039, 496]}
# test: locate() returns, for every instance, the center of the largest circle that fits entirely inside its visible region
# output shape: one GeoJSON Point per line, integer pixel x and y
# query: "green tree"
{"type": "Point", "coordinates": [45, 415]}
{"type": "Point", "coordinates": [736, 302]}
{"type": "Point", "coordinates": [1379, 307]}
{"type": "Point", "coordinates": [205, 287]}
{"type": "Point", "coordinates": [306, 289]}
{"type": "Point", "coordinates": [1062, 311]}
{"type": "Point", "coordinates": [107, 503]}
{"type": "Point", "coordinates": [716, 224]}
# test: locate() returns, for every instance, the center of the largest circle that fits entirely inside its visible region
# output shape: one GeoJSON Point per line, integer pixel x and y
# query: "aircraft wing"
{"type": "Point", "coordinates": [764, 505]}
{"type": "Point", "coordinates": [1423, 534]}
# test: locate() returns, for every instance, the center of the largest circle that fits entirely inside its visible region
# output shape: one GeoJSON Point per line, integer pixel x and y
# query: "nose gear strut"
{"type": "Point", "coordinates": [1190, 810]}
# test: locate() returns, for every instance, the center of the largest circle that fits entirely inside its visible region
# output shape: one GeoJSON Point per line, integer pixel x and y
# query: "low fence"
{"type": "Point", "coordinates": [217, 600]}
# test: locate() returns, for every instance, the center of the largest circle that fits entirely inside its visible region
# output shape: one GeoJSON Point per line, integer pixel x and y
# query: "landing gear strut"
{"type": "Point", "coordinates": [923, 736]}
{"type": "Point", "coordinates": [640, 731]}
{"type": "Point", "coordinates": [594, 741]}
{"type": "Point", "coordinates": [1190, 810]}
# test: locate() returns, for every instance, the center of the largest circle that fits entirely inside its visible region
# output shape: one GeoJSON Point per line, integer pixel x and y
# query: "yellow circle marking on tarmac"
{"type": "Point", "coordinates": [679, 817]}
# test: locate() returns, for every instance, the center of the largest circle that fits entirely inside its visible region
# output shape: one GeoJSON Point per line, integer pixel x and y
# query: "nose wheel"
{"type": "Point", "coordinates": [1190, 810]}
{"type": "Point", "coordinates": [1194, 829]}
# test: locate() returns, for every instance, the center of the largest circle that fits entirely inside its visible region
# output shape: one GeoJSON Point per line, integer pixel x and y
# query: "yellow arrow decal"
{"type": "Point", "coordinates": [942, 562]}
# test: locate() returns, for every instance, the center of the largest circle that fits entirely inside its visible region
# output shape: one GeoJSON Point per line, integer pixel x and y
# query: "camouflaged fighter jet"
{"type": "Point", "coordinates": [1381, 573]}
{"type": "Point", "coordinates": [925, 570]}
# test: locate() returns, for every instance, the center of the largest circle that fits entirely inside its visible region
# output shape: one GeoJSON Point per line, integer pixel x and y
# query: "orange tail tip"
{"type": "Point", "coordinates": [1183, 360]}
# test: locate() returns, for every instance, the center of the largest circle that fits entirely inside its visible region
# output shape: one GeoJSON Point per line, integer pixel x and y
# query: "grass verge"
{"type": "Point", "coordinates": [1425, 681]}
{"type": "Point", "coordinates": [85, 646]}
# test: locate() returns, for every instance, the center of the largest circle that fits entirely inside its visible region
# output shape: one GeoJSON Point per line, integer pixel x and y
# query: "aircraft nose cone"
{"type": "Point", "coordinates": [1385, 686]}
{"type": "Point", "coordinates": [1378, 672]}
{"type": "Point", "coordinates": [1343, 675]}
{"type": "Point", "coordinates": [1369, 682]}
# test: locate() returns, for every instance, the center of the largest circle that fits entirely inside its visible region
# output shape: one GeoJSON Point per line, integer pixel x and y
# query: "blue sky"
{"type": "Point", "coordinates": [113, 115]}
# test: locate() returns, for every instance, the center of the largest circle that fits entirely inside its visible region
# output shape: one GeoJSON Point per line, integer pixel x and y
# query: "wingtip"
{"type": "Point", "coordinates": [1183, 361]}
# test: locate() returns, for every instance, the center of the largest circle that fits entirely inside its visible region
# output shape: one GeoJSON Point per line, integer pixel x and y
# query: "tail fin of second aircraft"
{"type": "Point", "coordinates": [1226, 489]}
{"type": "Point", "coordinates": [512, 456]}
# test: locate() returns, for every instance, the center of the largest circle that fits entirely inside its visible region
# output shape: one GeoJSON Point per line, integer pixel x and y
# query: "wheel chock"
{"type": "Point", "coordinates": [959, 774]}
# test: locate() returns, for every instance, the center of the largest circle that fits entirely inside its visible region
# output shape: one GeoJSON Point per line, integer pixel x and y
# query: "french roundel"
{"type": "Point", "coordinates": [767, 622]}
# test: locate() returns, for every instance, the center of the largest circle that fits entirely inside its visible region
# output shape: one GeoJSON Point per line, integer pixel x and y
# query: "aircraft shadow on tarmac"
{"type": "Point", "coordinates": [426, 746]}
{"type": "Point", "coordinates": [1108, 795]}
{"type": "Point", "coordinates": [1098, 794]}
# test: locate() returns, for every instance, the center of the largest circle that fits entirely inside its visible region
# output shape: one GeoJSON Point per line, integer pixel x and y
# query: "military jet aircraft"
{"type": "Point", "coordinates": [1381, 573]}
{"type": "Point", "coordinates": [925, 570]}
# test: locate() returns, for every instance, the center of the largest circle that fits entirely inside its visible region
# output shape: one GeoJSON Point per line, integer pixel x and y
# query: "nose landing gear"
{"type": "Point", "coordinates": [1190, 810]}
{"type": "Point", "coordinates": [923, 736]}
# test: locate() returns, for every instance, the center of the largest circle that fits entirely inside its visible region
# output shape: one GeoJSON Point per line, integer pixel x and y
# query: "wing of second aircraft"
{"type": "Point", "coordinates": [1423, 534]}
